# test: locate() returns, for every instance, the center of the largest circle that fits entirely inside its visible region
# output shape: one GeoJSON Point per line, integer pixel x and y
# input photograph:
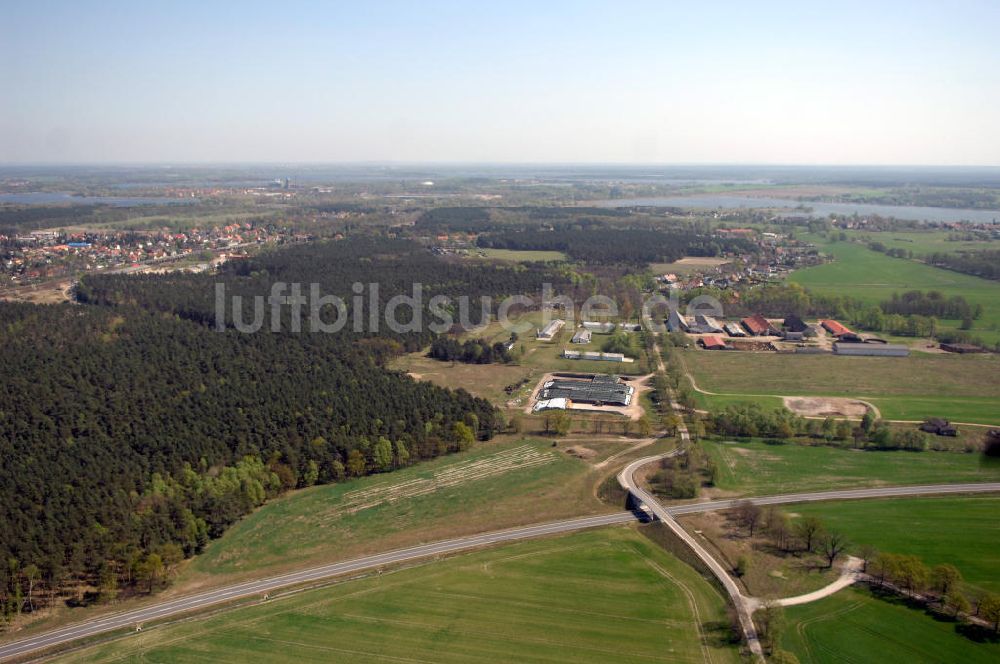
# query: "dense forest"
{"type": "Point", "coordinates": [607, 245]}
{"type": "Point", "coordinates": [480, 219]}
{"type": "Point", "coordinates": [133, 430]}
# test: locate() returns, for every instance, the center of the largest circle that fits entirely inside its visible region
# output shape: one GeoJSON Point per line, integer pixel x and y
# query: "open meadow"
{"type": "Point", "coordinates": [963, 388]}
{"type": "Point", "coordinates": [596, 596]}
{"type": "Point", "coordinates": [520, 256]}
{"type": "Point", "coordinates": [494, 485]}
{"type": "Point", "coordinates": [757, 468]}
{"type": "Point", "coordinates": [961, 530]}
{"type": "Point", "coordinates": [854, 625]}
{"type": "Point", "coordinates": [873, 277]}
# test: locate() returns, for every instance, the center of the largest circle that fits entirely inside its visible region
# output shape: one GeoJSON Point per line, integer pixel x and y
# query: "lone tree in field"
{"type": "Point", "coordinates": [833, 545]}
{"type": "Point", "coordinates": [809, 529]}
{"type": "Point", "coordinates": [748, 515]}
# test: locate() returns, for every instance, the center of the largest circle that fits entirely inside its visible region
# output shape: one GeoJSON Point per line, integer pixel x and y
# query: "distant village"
{"type": "Point", "coordinates": [53, 254]}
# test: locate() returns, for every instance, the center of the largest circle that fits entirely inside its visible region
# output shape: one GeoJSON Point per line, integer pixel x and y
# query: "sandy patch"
{"type": "Point", "coordinates": [581, 452]}
{"type": "Point", "coordinates": [826, 406]}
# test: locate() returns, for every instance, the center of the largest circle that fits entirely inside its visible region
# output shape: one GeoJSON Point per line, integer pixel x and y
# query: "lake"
{"type": "Point", "coordinates": [712, 201]}
{"type": "Point", "coordinates": [63, 198]}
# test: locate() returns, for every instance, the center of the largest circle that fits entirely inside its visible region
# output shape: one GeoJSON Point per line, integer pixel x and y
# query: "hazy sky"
{"type": "Point", "coordinates": [751, 82]}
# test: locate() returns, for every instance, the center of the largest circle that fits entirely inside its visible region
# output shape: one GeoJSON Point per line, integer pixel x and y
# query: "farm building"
{"type": "Point", "coordinates": [599, 390]}
{"type": "Point", "coordinates": [734, 330]}
{"type": "Point", "coordinates": [592, 355]}
{"type": "Point", "coordinates": [594, 326]}
{"type": "Point", "coordinates": [677, 322]}
{"type": "Point", "coordinates": [793, 323]}
{"type": "Point", "coordinates": [549, 332]}
{"type": "Point", "coordinates": [582, 336]}
{"type": "Point", "coordinates": [835, 328]}
{"type": "Point", "coordinates": [705, 325]}
{"type": "Point", "coordinates": [630, 327]}
{"type": "Point", "coordinates": [552, 404]}
{"type": "Point", "coordinates": [712, 343]}
{"type": "Point", "coordinates": [870, 350]}
{"type": "Point", "coordinates": [758, 326]}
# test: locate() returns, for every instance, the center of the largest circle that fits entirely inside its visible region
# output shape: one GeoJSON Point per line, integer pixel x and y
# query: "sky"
{"type": "Point", "coordinates": [520, 82]}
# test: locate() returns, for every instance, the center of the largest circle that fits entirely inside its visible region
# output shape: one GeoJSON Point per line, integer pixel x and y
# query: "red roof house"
{"type": "Point", "coordinates": [712, 342]}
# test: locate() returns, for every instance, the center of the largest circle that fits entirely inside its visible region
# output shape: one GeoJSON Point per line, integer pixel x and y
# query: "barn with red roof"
{"type": "Point", "coordinates": [757, 325]}
{"type": "Point", "coordinates": [712, 342]}
{"type": "Point", "coordinates": [835, 328]}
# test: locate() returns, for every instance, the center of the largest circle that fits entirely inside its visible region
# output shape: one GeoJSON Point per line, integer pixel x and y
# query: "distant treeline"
{"type": "Point", "coordinates": [606, 245]}
{"type": "Point", "coordinates": [480, 219]}
{"type": "Point", "coordinates": [931, 303]}
{"type": "Point", "coordinates": [335, 266]}
{"type": "Point", "coordinates": [984, 263]}
{"type": "Point", "coordinates": [15, 220]}
{"type": "Point", "coordinates": [474, 219]}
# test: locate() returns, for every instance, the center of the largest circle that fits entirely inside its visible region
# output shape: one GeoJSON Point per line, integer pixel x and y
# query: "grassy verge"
{"type": "Point", "coordinates": [607, 595]}
{"type": "Point", "coordinates": [406, 507]}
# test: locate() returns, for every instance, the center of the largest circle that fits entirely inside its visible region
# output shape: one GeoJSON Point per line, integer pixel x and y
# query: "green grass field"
{"type": "Point", "coordinates": [963, 388]}
{"type": "Point", "coordinates": [756, 468]}
{"type": "Point", "coordinates": [922, 242]}
{"type": "Point", "coordinates": [447, 497]}
{"type": "Point", "coordinates": [855, 626]}
{"type": "Point", "coordinates": [873, 277]}
{"type": "Point", "coordinates": [598, 596]}
{"type": "Point", "coordinates": [962, 530]}
{"type": "Point", "coordinates": [526, 256]}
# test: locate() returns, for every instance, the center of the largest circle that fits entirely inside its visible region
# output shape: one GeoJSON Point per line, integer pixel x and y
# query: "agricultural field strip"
{"type": "Point", "coordinates": [181, 605]}
{"type": "Point", "coordinates": [516, 458]}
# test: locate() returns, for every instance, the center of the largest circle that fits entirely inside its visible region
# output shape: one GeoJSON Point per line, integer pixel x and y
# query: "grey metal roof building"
{"type": "Point", "coordinates": [871, 350]}
{"type": "Point", "coordinates": [601, 389]}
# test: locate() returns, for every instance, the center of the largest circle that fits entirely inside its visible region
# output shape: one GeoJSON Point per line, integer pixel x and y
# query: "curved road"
{"type": "Point", "coordinates": [180, 605]}
{"type": "Point", "coordinates": [745, 606]}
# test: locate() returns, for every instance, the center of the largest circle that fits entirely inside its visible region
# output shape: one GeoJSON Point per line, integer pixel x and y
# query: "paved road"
{"type": "Point", "coordinates": [847, 494]}
{"type": "Point", "coordinates": [180, 605]}
{"type": "Point", "coordinates": [129, 619]}
{"type": "Point", "coordinates": [744, 607]}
